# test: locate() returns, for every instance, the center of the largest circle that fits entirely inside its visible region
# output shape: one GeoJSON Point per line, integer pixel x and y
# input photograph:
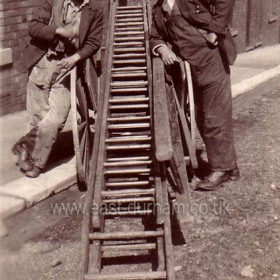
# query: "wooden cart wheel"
{"type": "Point", "coordinates": [82, 127]}
{"type": "Point", "coordinates": [187, 115]}
{"type": "Point", "coordinates": [189, 103]}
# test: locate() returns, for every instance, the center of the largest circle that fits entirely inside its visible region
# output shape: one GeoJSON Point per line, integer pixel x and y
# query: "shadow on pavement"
{"type": "Point", "coordinates": [62, 152]}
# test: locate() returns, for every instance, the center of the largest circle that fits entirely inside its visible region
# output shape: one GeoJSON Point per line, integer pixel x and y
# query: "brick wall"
{"type": "Point", "coordinates": [14, 18]}
{"type": "Point", "coordinates": [255, 23]}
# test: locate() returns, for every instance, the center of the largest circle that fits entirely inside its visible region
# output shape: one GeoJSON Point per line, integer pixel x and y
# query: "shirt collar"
{"type": "Point", "coordinates": [69, 2]}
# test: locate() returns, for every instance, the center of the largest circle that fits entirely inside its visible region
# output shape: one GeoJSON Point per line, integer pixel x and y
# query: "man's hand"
{"type": "Point", "coordinates": [69, 62]}
{"type": "Point", "coordinates": [212, 38]}
{"type": "Point", "coordinates": [168, 56]}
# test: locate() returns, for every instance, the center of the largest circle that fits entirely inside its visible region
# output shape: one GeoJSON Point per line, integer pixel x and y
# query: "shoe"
{"type": "Point", "coordinates": [25, 165]}
{"type": "Point", "coordinates": [234, 174]}
{"type": "Point", "coordinates": [213, 181]}
{"type": "Point", "coordinates": [34, 172]}
{"type": "Point", "coordinates": [21, 151]}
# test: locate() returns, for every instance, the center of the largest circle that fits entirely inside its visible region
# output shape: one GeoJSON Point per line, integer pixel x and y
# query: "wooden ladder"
{"type": "Point", "coordinates": [127, 208]}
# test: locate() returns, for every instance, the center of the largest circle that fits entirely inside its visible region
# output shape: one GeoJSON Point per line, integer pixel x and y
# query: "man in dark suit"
{"type": "Point", "coordinates": [63, 34]}
{"type": "Point", "coordinates": [198, 32]}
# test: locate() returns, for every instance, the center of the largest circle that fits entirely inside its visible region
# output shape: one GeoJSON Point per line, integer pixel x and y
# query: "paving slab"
{"type": "Point", "coordinates": [263, 58]}
{"type": "Point", "coordinates": [12, 127]}
{"type": "Point", "coordinates": [24, 192]}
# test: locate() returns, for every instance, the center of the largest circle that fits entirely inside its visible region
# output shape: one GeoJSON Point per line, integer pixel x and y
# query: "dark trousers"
{"type": "Point", "coordinates": [214, 115]}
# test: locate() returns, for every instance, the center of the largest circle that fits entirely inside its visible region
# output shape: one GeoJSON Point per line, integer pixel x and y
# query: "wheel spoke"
{"type": "Point", "coordinates": [86, 155]}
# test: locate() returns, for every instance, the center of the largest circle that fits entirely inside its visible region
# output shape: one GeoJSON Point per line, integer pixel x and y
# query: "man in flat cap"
{"type": "Point", "coordinates": [64, 33]}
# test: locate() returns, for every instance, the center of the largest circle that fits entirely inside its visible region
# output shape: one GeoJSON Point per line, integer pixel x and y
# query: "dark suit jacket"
{"type": "Point", "coordinates": [210, 15]}
{"type": "Point", "coordinates": [43, 35]}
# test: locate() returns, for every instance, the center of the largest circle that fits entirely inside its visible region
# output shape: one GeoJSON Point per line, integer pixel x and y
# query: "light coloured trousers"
{"type": "Point", "coordinates": [48, 105]}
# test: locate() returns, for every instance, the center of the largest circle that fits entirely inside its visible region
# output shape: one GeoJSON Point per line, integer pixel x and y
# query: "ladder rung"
{"type": "Point", "coordinates": [127, 171]}
{"type": "Point", "coordinates": [136, 49]}
{"type": "Point", "coordinates": [128, 276]}
{"type": "Point", "coordinates": [133, 28]}
{"type": "Point", "coordinates": [129, 200]}
{"type": "Point", "coordinates": [128, 147]}
{"type": "Point", "coordinates": [135, 43]}
{"type": "Point", "coordinates": [120, 39]}
{"type": "Point", "coordinates": [128, 193]}
{"type": "Point", "coordinates": [129, 213]}
{"type": "Point", "coordinates": [130, 68]}
{"type": "Point", "coordinates": [128, 158]}
{"type": "Point", "coordinates": [127, 84]}
{"type": "Point", "coordinates": [132, 119]}
{"type": "Point", "coordinates": [129, 11]}
{"type": "Point", "coordinates": [130, 61]}
{"type": "Point", "coordinates": [127, 184]}
{"type": "Point", "coordinates": [123, 75]}
{"type": "Point", "coordinates": [129, 100]}
{"type": "Point", "coordinates": [129, 23]}
{"type": "Point", "coordinates": [128, 126]}
{"type": "Point", "coordinates": [129, 55]}
{"type": "Point", "coordinates": [119, 235]}
{"type": "Point", "coordinates": [131, 133]}
{"type": "Point", "coordinates": [129, 7]}
{"type": "Point", "coordinates": [125, 90]}
{"type": "Point", "coordinates": [118, 15]}
{"type": "Point", "coordinates": [135, 106]}
{"type": "Point", "coordinates": [126, 247]}
{"type": "Point", "coordinates": [127, 139]}
{"type": "Point", "coordinates": [127, 163]}
{"type": "Point", "coordinates": [120, 33]}
{"type": "Point", "coordinates": [129, 19]}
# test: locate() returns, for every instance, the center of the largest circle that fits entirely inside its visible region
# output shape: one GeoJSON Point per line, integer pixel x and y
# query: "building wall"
{"type": "Point", "coordinates": [14, 18]}
{"type": "Point", "coordinates": [254, 24]}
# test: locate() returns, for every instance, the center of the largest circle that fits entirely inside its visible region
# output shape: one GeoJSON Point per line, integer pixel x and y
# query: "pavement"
{"type": "Point", "coordinates": [255, 70]}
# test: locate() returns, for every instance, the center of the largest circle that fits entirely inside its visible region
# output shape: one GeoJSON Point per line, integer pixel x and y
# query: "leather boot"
{"type": "Point", "coordinates": [21, 151]}
{"type": "Point", "coordinates": [34, 172]}
{"type": "Point", "coordinates": [234, 174]}
{"type": "Point", "coordinates": [213, 181]}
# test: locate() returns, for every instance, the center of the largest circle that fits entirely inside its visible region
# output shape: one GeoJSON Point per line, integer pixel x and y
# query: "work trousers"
{"type": "Point", "coordinates": [214, 112]}
{"type": "Point", "coordinates": [48, 105]}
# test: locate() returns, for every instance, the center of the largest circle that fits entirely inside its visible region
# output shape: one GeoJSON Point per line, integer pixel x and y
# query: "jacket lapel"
{"type": "Point", "coordinates": [86, 15]}
{"type": "Point", "coordinates": [159, 18]}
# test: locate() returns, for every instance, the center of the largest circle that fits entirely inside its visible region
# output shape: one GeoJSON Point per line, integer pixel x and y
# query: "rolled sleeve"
{"type": "Point", "coordinates": [154, 52]}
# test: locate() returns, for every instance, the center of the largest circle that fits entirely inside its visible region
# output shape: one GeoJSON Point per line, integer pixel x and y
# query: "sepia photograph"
{"type": "Point", "coordinates": [139, 139]}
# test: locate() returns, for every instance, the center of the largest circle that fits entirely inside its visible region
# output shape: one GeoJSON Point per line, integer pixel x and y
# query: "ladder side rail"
{"type": "Point", "coordinates": [105, 41]}
{"type": "Point", "coordinates": [150, 74]}
{"type": "Point", "coordinates": [170, 272]}
{"type": "Point", "coordinates": [148, 57]}
{"type": "Point", "coordinates": [86, 224]}
{"type": "Point", "coordinates": [163, 153]}
{"type": "Point", "coordinates": [161, 125]}
{"type": "Point", "coordinates": [95, 250]}
{"type": "Point", "coordinates": [99, 177]}
{"type": "Point", "coordinates": [162, 129]}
